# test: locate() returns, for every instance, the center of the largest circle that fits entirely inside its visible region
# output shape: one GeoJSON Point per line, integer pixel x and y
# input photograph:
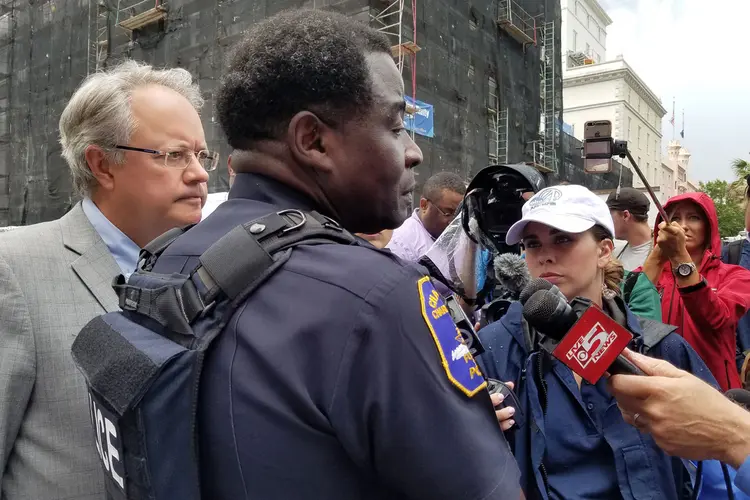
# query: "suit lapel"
{"type": "Point", "coordinates": [95, 265]}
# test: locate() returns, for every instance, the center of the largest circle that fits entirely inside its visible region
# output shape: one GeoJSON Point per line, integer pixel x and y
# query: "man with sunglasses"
{"type": "Point", "coordinates": [134, 143]}
{"type": "Point", "coordinates": [441, 196]}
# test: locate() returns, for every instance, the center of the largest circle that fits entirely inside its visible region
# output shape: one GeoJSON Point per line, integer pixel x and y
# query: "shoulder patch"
{"type": "Point", "coordinates": [459, 365]}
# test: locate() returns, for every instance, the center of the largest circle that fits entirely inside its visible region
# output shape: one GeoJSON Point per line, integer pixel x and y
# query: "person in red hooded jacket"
{"type": "Point", "coordinates": [701, 295]}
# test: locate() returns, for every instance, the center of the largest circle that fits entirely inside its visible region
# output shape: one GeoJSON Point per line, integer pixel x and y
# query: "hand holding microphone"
{"type": "Point", "coordinates": [686, 416]}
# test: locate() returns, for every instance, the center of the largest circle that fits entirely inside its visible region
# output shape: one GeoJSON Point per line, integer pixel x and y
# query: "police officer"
{"type": "Point", "coordinates": [341, 376]}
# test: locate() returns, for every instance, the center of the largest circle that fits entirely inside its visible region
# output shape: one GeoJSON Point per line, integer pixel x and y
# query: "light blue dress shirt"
{"type": "Point", "coordinates": [122, 248]}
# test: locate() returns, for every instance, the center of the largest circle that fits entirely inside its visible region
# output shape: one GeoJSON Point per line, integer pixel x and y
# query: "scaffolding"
{"type": "Point", "coordinates": [521, 26]}
{"type": "Point", "coordinates": [390, 21]}
{"type": "Point", "coordinates": [579, 58]}
{"type": "Point", "coordinates": [134, 15]}
{"type": "Point", "coordinates": [498, 134]}
{"type": "Point", "coordinates": [8, 20]}
{"type": "Point", "coordinates": [545, 151]}
{"type": "Point", "coordinates": [98, 45]}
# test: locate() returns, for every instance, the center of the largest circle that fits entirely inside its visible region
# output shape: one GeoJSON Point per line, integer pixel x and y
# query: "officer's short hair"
{"type": "Point", "coordinates": [298, 60]}
{"type": "Point", "coordinates": [99, 113]}
{"type": "Point", "coordinates": [435, 185]}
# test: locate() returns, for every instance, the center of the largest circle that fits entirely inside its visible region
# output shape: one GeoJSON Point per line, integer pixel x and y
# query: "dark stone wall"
{"type": "Point", "coordinates": [44, 56]}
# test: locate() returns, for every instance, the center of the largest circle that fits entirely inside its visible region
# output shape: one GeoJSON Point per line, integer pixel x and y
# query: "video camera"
{"type": "Point", "coordinates": [494, 200]}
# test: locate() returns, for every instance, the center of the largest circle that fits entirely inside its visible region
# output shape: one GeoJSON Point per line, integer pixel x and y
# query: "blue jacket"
{"type": "Point", "coordinates": [743, 328]}
{"type": "Point", "coordinates": [643, 470]}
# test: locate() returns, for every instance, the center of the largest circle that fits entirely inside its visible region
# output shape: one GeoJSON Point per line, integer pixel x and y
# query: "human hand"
{"type": "Point", "coordinates": [504, 415]}
{"type": "Point", "coordinates": [686, 417]}
{"type": "Point", "coordinates": [671, 240]}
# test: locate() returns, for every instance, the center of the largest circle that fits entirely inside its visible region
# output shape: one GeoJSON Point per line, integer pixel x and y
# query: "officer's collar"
{"type": "Point", "coordinates": [267, 190]}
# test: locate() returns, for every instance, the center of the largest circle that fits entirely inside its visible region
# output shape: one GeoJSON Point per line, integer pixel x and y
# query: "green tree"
{"type": "Point", "coordinates": [741, 168]}
{"type": "Point", "coordinates": [729, 208]}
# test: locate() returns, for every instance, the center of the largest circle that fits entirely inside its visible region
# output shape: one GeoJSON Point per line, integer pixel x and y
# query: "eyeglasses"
{"type": "Point", "coordinates": [444, 213]}
{"type": "Point", "coordinates": [180, 158]}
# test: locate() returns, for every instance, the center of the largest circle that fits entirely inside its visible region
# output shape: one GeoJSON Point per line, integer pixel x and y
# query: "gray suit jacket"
{"type": "Point", "coordinates": [54, 278]}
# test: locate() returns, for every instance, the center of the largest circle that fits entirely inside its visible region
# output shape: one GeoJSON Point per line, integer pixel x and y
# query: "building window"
{"type": "Point", "coordinates": [648, 144]}
{"type": "Point", "coordinates": [639, 137]}
{"type": "Point", "coordinates": [588, 50]}
{"type": "Point", "coordinates": [648, 115]}
{"type": "Point", "coordinates": [492, 101]}
{"type": "Point", "coordinates": [629, 93]}
{"type": "Point", "coordinates": [630, 126]}
{"type": "Point", "coordinates": [588, 22]}
{"type": "Point", "coordinates": [648, 173]}
{"type": "Point", "coordinates": [596, 57]}
{"type": "Point", "coordinates": [578, 9]}
{"type": "Point", "coordinates": [575, 40]}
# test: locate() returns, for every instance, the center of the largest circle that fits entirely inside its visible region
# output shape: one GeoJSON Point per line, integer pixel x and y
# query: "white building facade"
{"type": "Point", "coordinates": [584, 32]}
{"type": "Point", "coordinates": [613, 91]}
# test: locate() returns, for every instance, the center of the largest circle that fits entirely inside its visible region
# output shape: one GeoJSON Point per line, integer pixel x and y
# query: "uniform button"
{"type": "Point", "coordinates": [590, 406]}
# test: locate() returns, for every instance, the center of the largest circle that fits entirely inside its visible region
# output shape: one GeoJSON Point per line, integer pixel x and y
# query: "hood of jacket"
{"type": "Point", "coordinates": [712, 255]}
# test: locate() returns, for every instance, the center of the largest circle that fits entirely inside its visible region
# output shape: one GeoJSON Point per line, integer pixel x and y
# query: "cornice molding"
{"type": "Point", "coordinates": [599, 11]}
{"type": "Point", "coordinates": [625, 74]}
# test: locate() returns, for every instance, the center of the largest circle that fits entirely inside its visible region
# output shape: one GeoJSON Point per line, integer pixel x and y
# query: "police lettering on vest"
{"type": "Point", "coordinates": [108, 442]}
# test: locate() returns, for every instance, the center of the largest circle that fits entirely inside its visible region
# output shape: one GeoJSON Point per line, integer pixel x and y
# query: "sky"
{"type": "Point", "coordinates": [695, 52]}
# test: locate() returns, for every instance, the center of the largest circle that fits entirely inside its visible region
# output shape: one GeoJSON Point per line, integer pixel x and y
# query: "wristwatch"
{"type": "Point", "coordinates": [684, 270]}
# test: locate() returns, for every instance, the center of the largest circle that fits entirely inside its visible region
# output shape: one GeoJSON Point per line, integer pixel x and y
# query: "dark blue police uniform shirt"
{"type": "Point", "coordinates": [329, 384]}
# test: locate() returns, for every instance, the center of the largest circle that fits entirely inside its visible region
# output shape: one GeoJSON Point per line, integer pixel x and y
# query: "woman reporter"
{"type": "Point", "coordinates": [573, 441]}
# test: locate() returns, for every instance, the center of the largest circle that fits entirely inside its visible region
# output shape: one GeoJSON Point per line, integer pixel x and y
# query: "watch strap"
{"type": "Point", "coordinates": [693, 288]}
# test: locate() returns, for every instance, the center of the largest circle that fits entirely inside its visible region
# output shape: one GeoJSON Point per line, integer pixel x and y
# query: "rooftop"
{"type": "Point", "coordinates": [612, 70]}
{"type": "Point", "coordinates": [595, 6]}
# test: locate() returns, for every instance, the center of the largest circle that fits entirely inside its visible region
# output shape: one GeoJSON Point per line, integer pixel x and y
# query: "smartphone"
{"type": "Point", "coordinates": [599, 129]}
{"type": "Point", "coordinates": [597, 147]}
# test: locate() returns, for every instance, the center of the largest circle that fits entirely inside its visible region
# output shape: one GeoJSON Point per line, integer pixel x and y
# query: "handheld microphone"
{"type": "Point", "coordinates": [588, 341]}
{"type": "Point", "coordinates": [512, 273]}
{"type": "Point", "coordinates": [464, 326]}
{"type": "Point", "coordinates": [739, 396]}
{"type": "Point", "coordinates": [539, 284]}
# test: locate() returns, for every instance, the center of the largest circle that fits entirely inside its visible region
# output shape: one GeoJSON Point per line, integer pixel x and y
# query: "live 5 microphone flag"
{"type": "Point", "coordinates": [579, 334]}
{"type": "Point", "coordinates": [593, 344]}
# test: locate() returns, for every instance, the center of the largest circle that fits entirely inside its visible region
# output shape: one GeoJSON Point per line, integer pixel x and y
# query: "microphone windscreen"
{"type": "Point", "coordinates": [512, 272]}
{"type": "Point", "coordinates": [540, 307]}
{"type": "Point", "coordinates": [739, 396]}
{"type": "Point", "coordinates": [534, 286]}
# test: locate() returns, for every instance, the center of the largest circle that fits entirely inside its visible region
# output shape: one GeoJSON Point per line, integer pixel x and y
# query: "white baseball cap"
{"type": "Point", "coordinates": [570, 208]}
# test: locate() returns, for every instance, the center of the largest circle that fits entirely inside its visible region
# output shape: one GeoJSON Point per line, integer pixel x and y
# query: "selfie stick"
{"type": "Point", "coordinates": [621, 149]}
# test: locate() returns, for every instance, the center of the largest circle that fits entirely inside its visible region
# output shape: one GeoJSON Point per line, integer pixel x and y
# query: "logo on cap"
{"type": "Point", "coordinates": [545, 197]}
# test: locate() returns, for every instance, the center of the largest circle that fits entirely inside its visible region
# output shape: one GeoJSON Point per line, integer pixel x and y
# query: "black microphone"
{"type": "Point", "coordinates": [739, 396]}
{"type": "Point", "coordinates": [512, 273]}
{"type": "Point", "coordinates": [588, 341]}
{"type": "Point", "coordinates": [539, 284]}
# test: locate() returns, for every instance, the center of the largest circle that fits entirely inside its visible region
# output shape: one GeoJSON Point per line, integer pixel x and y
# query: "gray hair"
{"type": "Point", "coordinates": [99, 113]}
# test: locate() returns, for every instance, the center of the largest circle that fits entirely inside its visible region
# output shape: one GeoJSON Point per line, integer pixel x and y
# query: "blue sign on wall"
{"type": "Point", "coordinates": [422, 120]}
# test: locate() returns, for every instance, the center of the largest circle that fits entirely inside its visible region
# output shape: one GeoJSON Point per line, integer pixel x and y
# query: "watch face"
{"type": "Point", "coordinates": [684, 270]}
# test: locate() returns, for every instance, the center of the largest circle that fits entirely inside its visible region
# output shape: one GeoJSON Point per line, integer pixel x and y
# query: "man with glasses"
{"type": "Point", "coordinates": [138, 157]}
{"type": "Point", "coordinates": [441, 196]}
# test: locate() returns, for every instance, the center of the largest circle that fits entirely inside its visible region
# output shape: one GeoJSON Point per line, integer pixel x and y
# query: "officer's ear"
{"type": "Point", "coordinates": [309, 140]}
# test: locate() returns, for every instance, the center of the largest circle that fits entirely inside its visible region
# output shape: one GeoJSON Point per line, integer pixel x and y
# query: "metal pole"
{"type": "Point", "coordinates": [663, 214]}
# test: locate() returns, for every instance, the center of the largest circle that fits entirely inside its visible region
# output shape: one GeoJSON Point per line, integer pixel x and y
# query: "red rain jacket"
{"type": "Point", "coordinates": [707, 318]}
